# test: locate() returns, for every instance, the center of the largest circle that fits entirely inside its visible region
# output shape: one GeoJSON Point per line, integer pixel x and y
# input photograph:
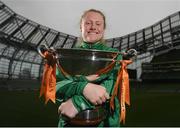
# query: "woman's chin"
{"type": "Point", "coordinates": [92, 40]}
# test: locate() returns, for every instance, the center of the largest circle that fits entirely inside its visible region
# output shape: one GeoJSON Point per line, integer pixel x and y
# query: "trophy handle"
{"type": "Point", "coordinates": [129, 54]}
{"type": "Point", "coordinates": [132, 52]}
{"type": "Point", "coordinates": [41, 49]}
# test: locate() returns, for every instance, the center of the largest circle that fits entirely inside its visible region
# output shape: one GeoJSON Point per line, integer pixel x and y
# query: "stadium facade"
{"type": "Point", "coordinates": [157, 45]}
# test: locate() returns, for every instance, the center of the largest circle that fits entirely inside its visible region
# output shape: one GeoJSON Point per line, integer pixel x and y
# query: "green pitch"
{"type": "Point", "coordinates": [151, 105]}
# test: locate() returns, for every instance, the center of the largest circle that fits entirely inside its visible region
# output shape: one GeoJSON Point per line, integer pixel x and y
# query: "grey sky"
{"type": "Point", "coordinates": [123, 16]}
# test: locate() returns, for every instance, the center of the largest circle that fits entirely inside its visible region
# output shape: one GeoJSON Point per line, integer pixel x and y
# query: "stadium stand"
{"type": "Point", "coordinates": [20, 37]}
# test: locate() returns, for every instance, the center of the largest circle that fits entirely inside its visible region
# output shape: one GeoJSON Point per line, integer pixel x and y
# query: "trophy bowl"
{"type": "Point", "coordinates": [77, 61]}
{"type": "Point", "coordinates": [83, 62]}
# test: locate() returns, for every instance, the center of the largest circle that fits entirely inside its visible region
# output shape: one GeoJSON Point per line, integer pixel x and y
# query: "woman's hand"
{"type": "Point", "coordinates": [67, 108]}
{"type": "Point", "coordinates": [92, 77]}
{"type": "Point", "coordinates": [96, 94]}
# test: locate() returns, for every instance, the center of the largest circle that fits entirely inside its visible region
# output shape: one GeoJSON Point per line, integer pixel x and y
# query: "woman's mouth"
{"type": "Point", "coordinates": [93, 33]}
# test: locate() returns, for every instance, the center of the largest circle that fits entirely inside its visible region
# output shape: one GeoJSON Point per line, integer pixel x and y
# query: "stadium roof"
{"type": "Point", "coordinates": [123, 16]}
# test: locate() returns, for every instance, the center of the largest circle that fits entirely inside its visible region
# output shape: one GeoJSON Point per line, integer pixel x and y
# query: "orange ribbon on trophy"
{"type": "Point", "coordinates": [107, 68]}
{"type": "Point", "coordinates": [48, 85]}
{"type": "Point", "coordinates": [121, 89]}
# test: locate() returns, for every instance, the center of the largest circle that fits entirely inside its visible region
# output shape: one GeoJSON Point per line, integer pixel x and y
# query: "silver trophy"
{"type": "Point", "coordinates": [84, 62]}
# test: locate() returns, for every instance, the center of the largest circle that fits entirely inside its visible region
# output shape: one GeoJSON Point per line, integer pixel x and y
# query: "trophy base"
{"type": "Point", "coordinates": [89, 117]}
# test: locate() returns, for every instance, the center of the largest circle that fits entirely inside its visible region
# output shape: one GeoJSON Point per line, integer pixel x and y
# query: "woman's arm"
{"type": "Point", "coordinates": [66, 87]}
{"type": "Point", "coordinates": [75, 98]}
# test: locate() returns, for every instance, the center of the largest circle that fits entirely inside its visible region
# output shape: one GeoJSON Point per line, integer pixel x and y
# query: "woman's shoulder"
{"type": "Point", "coordinates": [107, 48]}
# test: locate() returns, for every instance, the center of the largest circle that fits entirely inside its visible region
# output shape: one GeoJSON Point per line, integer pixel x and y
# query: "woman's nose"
{"type": "Point", "coordinates": [93, 27]}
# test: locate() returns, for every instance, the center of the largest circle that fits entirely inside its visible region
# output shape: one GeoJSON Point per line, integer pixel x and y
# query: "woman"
{"type": "Point", "coordinates": [83, 92]}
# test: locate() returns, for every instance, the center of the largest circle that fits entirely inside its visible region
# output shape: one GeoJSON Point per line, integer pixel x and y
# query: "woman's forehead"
{"type": "Point", "coordinates": [94, 16]}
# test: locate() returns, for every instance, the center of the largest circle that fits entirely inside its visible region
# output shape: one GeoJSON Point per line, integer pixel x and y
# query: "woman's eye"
{"type": "Point", "coordinates": [98, 23]}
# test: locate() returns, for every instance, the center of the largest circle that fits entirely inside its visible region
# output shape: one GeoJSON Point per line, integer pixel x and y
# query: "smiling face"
{"type": "Point", "coordinates": [92, 27]}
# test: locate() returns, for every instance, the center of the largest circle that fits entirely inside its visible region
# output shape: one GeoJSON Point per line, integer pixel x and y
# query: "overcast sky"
{"type": "Point", "coordinates": [123, 16]}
